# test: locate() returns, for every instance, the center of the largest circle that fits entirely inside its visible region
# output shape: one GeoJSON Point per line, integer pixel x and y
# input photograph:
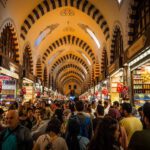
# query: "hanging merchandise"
{"type": "Point", "coordinates": [105, 91]}
{"type": "Point", "coordinates": [38, 94]}
{"type": "Point", "coordinates": [116, 85]}
{"type": "Point", "coordinates": [23, 90]}
{"type": "Point", "coordinates": [125, 92]}
{"type": "Point", "coordinates": [27, 89]}
{"type": "Point", "coordinates": [119, 87]}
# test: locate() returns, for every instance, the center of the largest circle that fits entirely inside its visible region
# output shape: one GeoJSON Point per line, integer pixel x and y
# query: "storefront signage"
{"type": "Point", "coordinates": [29, 76]}
{"type": "Point", "coordinates": [5, 78]}
{"type": "Point", "coordinates": [13, 67]}
{"type": "Point", "coordinates": [9, 73]}
{"type": "Point", "coordinates": [137, 46]}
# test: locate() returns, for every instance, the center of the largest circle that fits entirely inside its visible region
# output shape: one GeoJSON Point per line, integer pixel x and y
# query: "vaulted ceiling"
{"type": "Point", "coordinates": [63, 34]}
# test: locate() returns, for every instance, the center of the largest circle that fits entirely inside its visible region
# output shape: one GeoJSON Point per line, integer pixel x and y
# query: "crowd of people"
{"type": "Point", "coordinates": [75, 125]}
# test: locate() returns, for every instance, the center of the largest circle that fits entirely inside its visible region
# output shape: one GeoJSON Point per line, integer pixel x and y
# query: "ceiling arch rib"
{"type": "Point", "coordinates": [67, 66]}
{"type": "Point", "coordinates": [71, 80]}
{"type": "Point", "coordinates": [71, 72]}
{"type": "Point", "coordinates": [68, 57]}
{"type": "Point", "coordinates": [69, 39]}
{"type": "Point", "coordinates": [67, 82]}
{"type": "Point", "coordinates": [70, 77]}
{"type": "Point", "coordinates": [48, 5]}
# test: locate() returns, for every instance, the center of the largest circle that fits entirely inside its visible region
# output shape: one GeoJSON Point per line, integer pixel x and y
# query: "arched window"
{"type": "Point", "coordinates": [140, 19]}
{"type": "Point", "coordinates": [117, 45]}
{"type": "Point", "coordinates": [8, 43]}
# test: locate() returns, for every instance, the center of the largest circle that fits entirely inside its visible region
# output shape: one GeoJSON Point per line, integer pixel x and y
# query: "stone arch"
{"type": "Point", "coordinates": [39, 69]}
{"type": "Point", "coordinates": [48, 5]}
{"type": "Point", "coordinates": [135, 28]}
{"type": "Point", "coordinates": [72, 72]}
{"type": "Point", "coordinates": [69, 39]}
{"type": "Point", "coordinates": [28, 59]}
{"type": "Point", "coordinates": [116, 45]}
{"type": "Point", "coordinates": [104, 63]}
{"type": "Point", "coordinates": [12, 50]}
{"type": "Point", "coordinates": [69, 57]}
{"type": "Point", "coordinates": [79, 69]}
{"type": "Point", "coordinates": [45, 76]}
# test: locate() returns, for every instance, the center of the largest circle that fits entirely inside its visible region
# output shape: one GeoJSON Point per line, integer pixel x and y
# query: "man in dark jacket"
{"type": "Point", "coordinates": [15, 136]}
{"type": "Point", "coordinates": [85, 122]}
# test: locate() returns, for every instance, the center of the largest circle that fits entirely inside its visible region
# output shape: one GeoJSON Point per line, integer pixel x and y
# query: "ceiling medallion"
{"type": "Point", "coordinates": [67, 12]}
{"type": "Point", "coordinates": [68, 29]}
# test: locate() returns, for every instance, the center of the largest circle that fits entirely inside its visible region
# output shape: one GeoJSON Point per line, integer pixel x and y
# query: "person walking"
{"type": "Point", "coordinates": [15, 136]}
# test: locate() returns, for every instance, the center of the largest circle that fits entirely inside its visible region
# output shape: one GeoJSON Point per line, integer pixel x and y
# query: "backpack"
{"type": "Point", "coordinates": [84, 125]}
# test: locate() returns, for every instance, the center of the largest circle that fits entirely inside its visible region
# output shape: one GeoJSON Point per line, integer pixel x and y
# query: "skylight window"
{"type": "Point", "coordinates": [93, 37]}
{"type": "Point", "coordinates": [91, 33]}
{"type": "Point", "coordinates": [42, 36]}
{"type": "Point", "coordinates": [85, 70]}
{"type": "Point", "coordinates": [86, 59]}
{"type": "Point", "coordinates": [119, 1]}
{"type": "Point", "coordinates": [44, 33]}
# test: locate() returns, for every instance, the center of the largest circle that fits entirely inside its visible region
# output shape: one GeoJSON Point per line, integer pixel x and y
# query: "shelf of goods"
{"type": "Point", "coordinates": [141, 87]}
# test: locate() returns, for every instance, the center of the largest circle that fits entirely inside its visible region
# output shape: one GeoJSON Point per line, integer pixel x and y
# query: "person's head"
{"type": "Point", "coordinates": [116, 104]}
{"type": "Point", "coordinates": [100, 110]}
{"type": "Point", "coordinates": [100, 102]}
{"type": "Point", "coordinates": [93, 104]}
{"type": "Point", "coordinates": [12, 119]}
{"type": "Point", "coordinates": [59, 114]}
{"type": "Point", "coordinates": [106, 103]}
{"type": "Point", "coordinates": [39, 113]}
{"type": "Point", "coordinates": [66, 114]}
{"type": "Point", "coordinates": [72, 107]}
{"type": "Point", "coordinates": [146, 112]}
{"type": "Point", "coordinates": [140, 110]}
{"type": "Point", "coordinates": [79, 106]}
{"type": "Point", "coordinates": [126, 109]}
{"type": "Point", "coordinates": [53, 127]}
{"type": "Point", "coordinates": [114, 113]}
{"type": "Point", "coordinates": [29, 112]}
{"type": "Point", "coordinates": [13, 106]}
{"type": "Point", "coordinates": [1, 112]}
{"type": "Point", "coordinates": [43, 104]}
{"type": "Point", "coordinates": [106, 134]}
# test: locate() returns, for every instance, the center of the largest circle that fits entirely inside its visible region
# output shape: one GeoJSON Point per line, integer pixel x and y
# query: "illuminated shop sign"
{"type": "Point", "coordinates": [5, 78]}
{"type": "Point", "coordinates": [145, 54]}
{"type": "Point", "coordinates": [9, 73]}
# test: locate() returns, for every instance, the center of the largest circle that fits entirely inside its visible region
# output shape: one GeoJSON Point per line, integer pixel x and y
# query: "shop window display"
{"type": "Point", "coordinates": [141, 84]}
{"type": "Point", "coordinates": [116, 84]}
